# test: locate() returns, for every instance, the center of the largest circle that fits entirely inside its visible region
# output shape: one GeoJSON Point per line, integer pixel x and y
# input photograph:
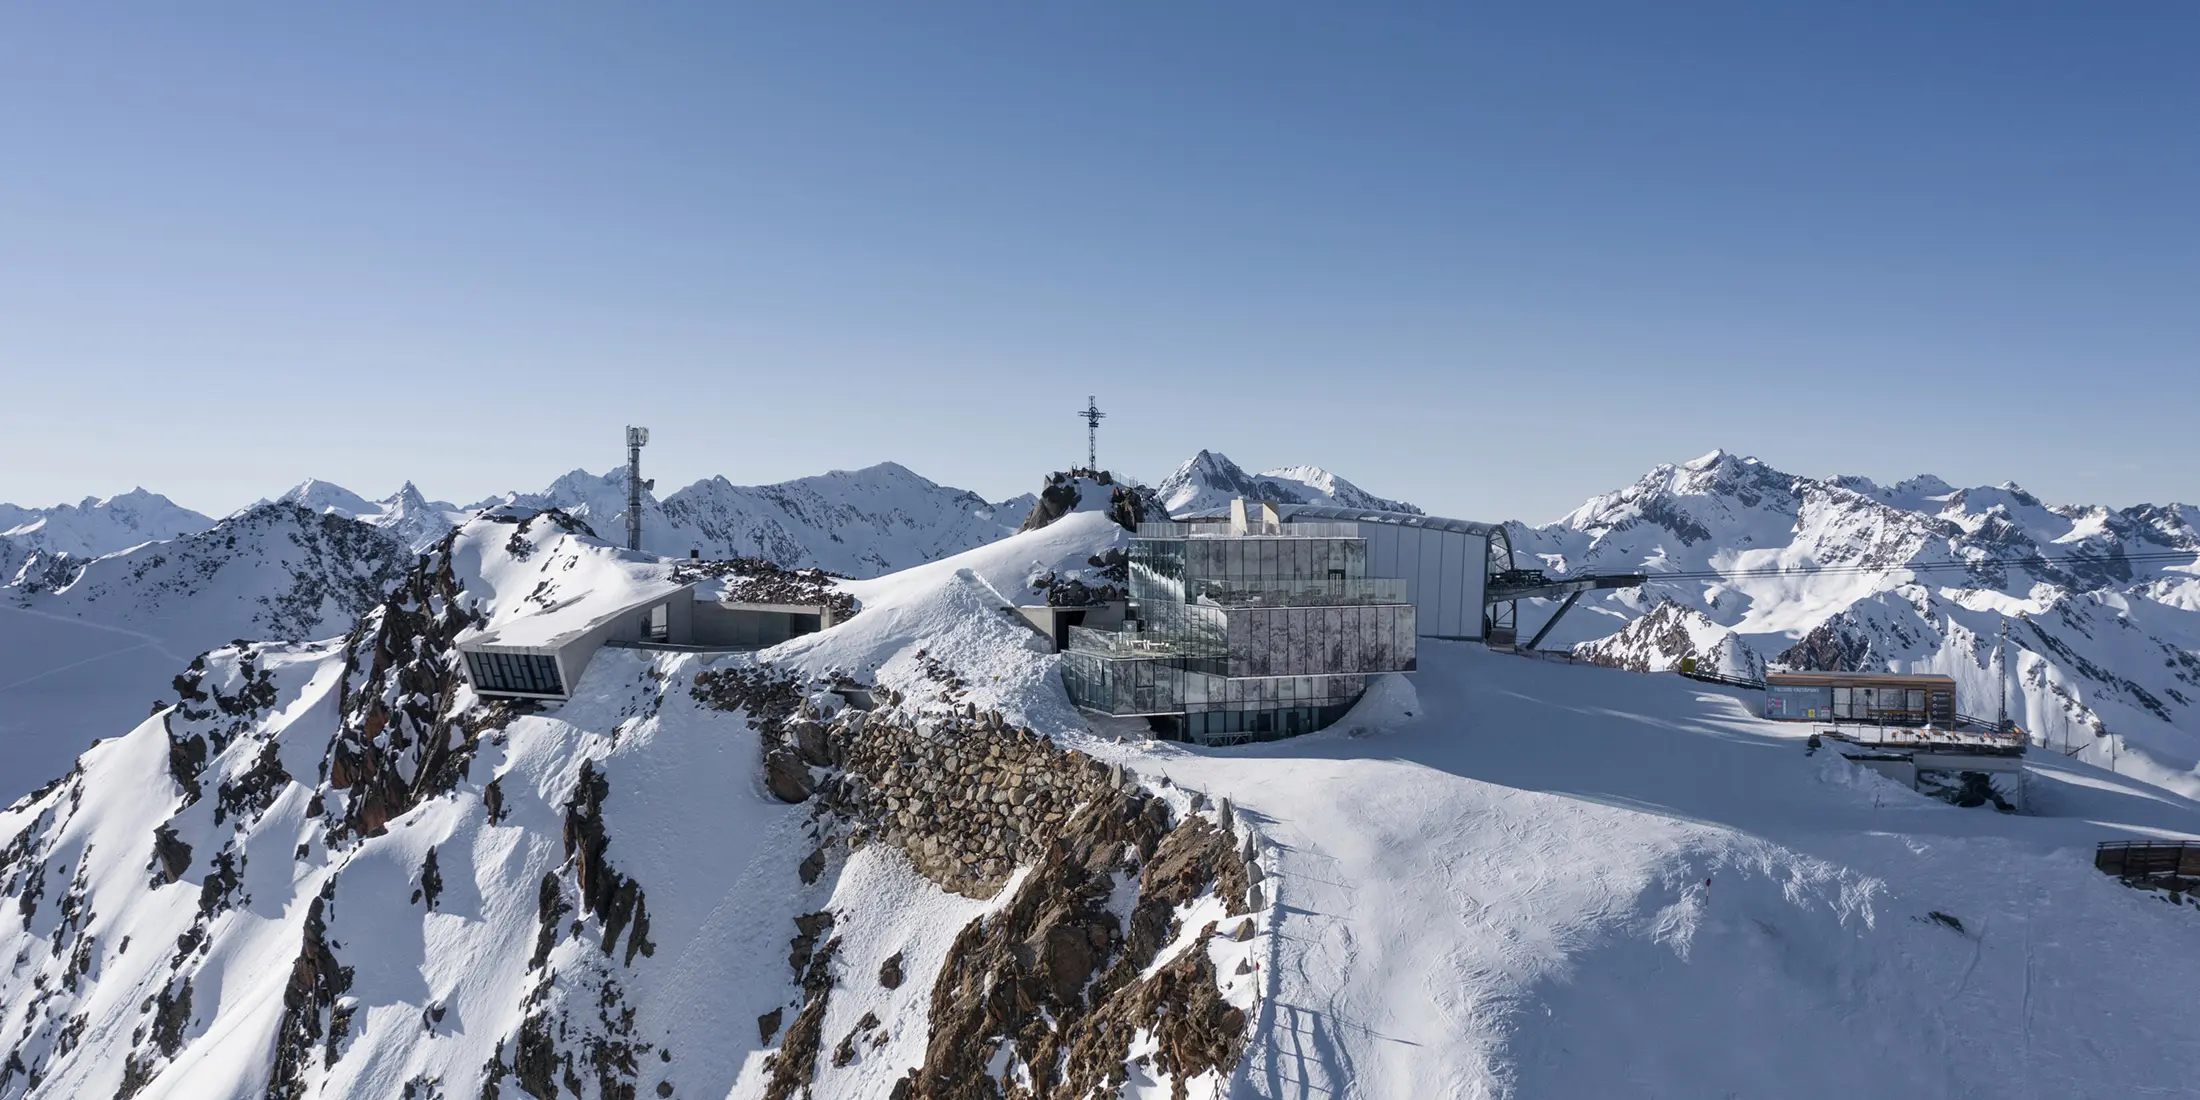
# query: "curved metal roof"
{"type": "Point", "coordinates": [1336, 514]}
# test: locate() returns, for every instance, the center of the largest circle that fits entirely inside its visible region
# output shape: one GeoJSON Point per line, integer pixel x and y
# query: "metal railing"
{"type": "Point", "coordinates": [1155, 529]}
{"type": "Point", "coordinates": [1131, 643]}
{"type": "Point", "coordinates": [1305, 592]}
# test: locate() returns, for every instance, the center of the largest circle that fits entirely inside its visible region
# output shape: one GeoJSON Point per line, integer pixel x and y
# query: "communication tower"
{"type": "Point", "coordinates": [636, 439]}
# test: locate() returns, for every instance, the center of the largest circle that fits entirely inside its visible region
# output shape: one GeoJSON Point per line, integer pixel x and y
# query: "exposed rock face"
{"type": "Point", "coordinates": [1836, 645]}
{"type": "Point", "coordinates": [311, 1016]}
{"type": "Point", "coordinates": [402, 740]}
{"type": "Point", "coordinates": [1109, 581]}
{"type": "Point", "coordinates": [971, 798]}
{"type": "Point", "coordinates": [758, 580]}
{"type": "Point", "coordinates": [45, 571]}
{"type": "Point", "coordinates": [1093, 490]}
{"type": "Point", "coordinates": [1670, 634]}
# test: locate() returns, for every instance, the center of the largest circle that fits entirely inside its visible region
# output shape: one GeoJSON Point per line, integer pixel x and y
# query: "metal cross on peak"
{"type": "Point", "coordinates": [1092, 417]}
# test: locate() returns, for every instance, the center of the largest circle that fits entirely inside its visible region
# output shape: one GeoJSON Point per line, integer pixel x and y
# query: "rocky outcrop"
{"type": "Point", "coordinates": [1836, 645]}
{"type": "Point", "coordinates": [312, 1018]}
{"type": "Point", "coordinates": [615, 900]}
{"type": "Point", "coordinates": [1093, 490]}
{"type": "Point", "coordinates": [758, 580]}
{"type": "Point", "coordinates": [1671, 634]}
{"type": "Point", "coordinates": [403, 740]}
{"type": "Point", "coordinates": [1055, 973]}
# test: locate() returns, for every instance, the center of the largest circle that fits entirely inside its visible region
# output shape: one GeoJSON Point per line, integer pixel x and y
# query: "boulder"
{"type": "Point", "coordinates": [809, 741]}
{"type": "Point", "coordinates": [787, 776]}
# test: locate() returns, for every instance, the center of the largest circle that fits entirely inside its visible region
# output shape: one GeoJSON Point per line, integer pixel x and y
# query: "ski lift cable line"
{"type": "Point", "coordinates": [2186, 557]}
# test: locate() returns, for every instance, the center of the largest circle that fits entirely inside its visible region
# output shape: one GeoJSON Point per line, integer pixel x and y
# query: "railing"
{"type": "Point", "coordinates": [1307, 592]}
{"type": "Point", "coordinates": [1127, 643]}
{"type": "Point", "coordinates": [1155, 529]}
{"type": "Point", "coordinates": [2148, 860]}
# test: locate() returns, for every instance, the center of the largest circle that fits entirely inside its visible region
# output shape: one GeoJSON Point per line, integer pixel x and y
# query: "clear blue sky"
{"type": "Point", "coordinates": [1490, 259]}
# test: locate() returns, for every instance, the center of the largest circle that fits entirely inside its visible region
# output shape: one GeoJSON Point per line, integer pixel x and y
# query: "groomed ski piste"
{"type": "Point", "coordinates": [1498, 877]}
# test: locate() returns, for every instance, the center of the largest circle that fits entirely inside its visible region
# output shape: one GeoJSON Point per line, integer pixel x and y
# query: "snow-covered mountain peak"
{"type": "Point", "coordinates": [1718, 456]}
{"type": "Point", "coordinates": [315, 495]}
{"type": "Point", "coordinates": [1210, 480]}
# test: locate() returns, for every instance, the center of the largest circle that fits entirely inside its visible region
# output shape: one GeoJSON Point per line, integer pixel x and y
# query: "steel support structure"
{"type": "Point", "coordinates": [1555, 617]}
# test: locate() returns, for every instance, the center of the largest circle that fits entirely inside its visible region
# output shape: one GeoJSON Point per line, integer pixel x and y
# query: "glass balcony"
{"type": "Point", "coordinates": [1306, 592]}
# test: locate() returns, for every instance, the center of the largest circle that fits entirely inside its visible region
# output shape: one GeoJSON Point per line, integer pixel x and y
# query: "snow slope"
{"type": "Point", "coordinates": [1500, 889]}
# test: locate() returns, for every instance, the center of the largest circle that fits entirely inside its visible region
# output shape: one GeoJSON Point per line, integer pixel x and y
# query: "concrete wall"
{"type": "Point", "coordinates": [1054, 622]}
{"type": "Point", "coordinates": [744, 625]}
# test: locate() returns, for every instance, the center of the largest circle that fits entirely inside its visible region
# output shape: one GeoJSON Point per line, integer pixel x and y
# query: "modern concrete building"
{"type": "Point", "coordinates": [541, 656]}
{"type": "Point", "coordinates": [1246, 629]}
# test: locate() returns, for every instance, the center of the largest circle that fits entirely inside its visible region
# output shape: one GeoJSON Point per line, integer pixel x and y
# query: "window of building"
{"type": "Point", "coordinates": [527, 672]}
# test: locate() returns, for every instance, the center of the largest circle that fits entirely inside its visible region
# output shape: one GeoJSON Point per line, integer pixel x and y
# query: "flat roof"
{"type": "Point", "coordinates": [1291, 513]}
{"type": "Point", "coordinates": [554, 626]}
{"type": "Point", "coordinates": [1812, 678]}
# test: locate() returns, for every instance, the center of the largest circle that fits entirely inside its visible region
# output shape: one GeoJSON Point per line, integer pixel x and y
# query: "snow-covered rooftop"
{"type": "Point", "coordinates": [561, 622]}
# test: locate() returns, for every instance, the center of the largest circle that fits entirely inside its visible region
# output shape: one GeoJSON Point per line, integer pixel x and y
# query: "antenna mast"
{"type": "Point", "coordinates": [1092, 417]}
{"type": "Point", "coordinates": [2001, 678]}
{"type": "Point", "coordinates": [636, 439]}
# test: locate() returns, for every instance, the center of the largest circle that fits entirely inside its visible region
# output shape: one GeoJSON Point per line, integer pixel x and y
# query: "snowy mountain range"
{"type": "Point", "coordinates": [405, 515]}
{"type": "Point", "coordinates": [857, 523]}
{"type": "Point", "coordinates": [88, 529]}
{"type": "Point", "coordinates": [1920, 576]}
{"type": "Point", "coordinates": [327, 869]}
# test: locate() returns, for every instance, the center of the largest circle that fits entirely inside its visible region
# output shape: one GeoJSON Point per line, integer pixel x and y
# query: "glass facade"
{"type": "Point", "coordinates": [528, 672]}
{"type": "Point", "coordinates": [1244, 637]}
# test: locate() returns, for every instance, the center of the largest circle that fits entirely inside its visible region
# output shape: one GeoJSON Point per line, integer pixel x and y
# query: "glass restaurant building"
{"type": "Point", "coordinates": [1244, 631]}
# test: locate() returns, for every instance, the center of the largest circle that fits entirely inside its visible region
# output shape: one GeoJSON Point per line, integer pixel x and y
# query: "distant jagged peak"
{"type": "Point", "coordinates": [409, 498]}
